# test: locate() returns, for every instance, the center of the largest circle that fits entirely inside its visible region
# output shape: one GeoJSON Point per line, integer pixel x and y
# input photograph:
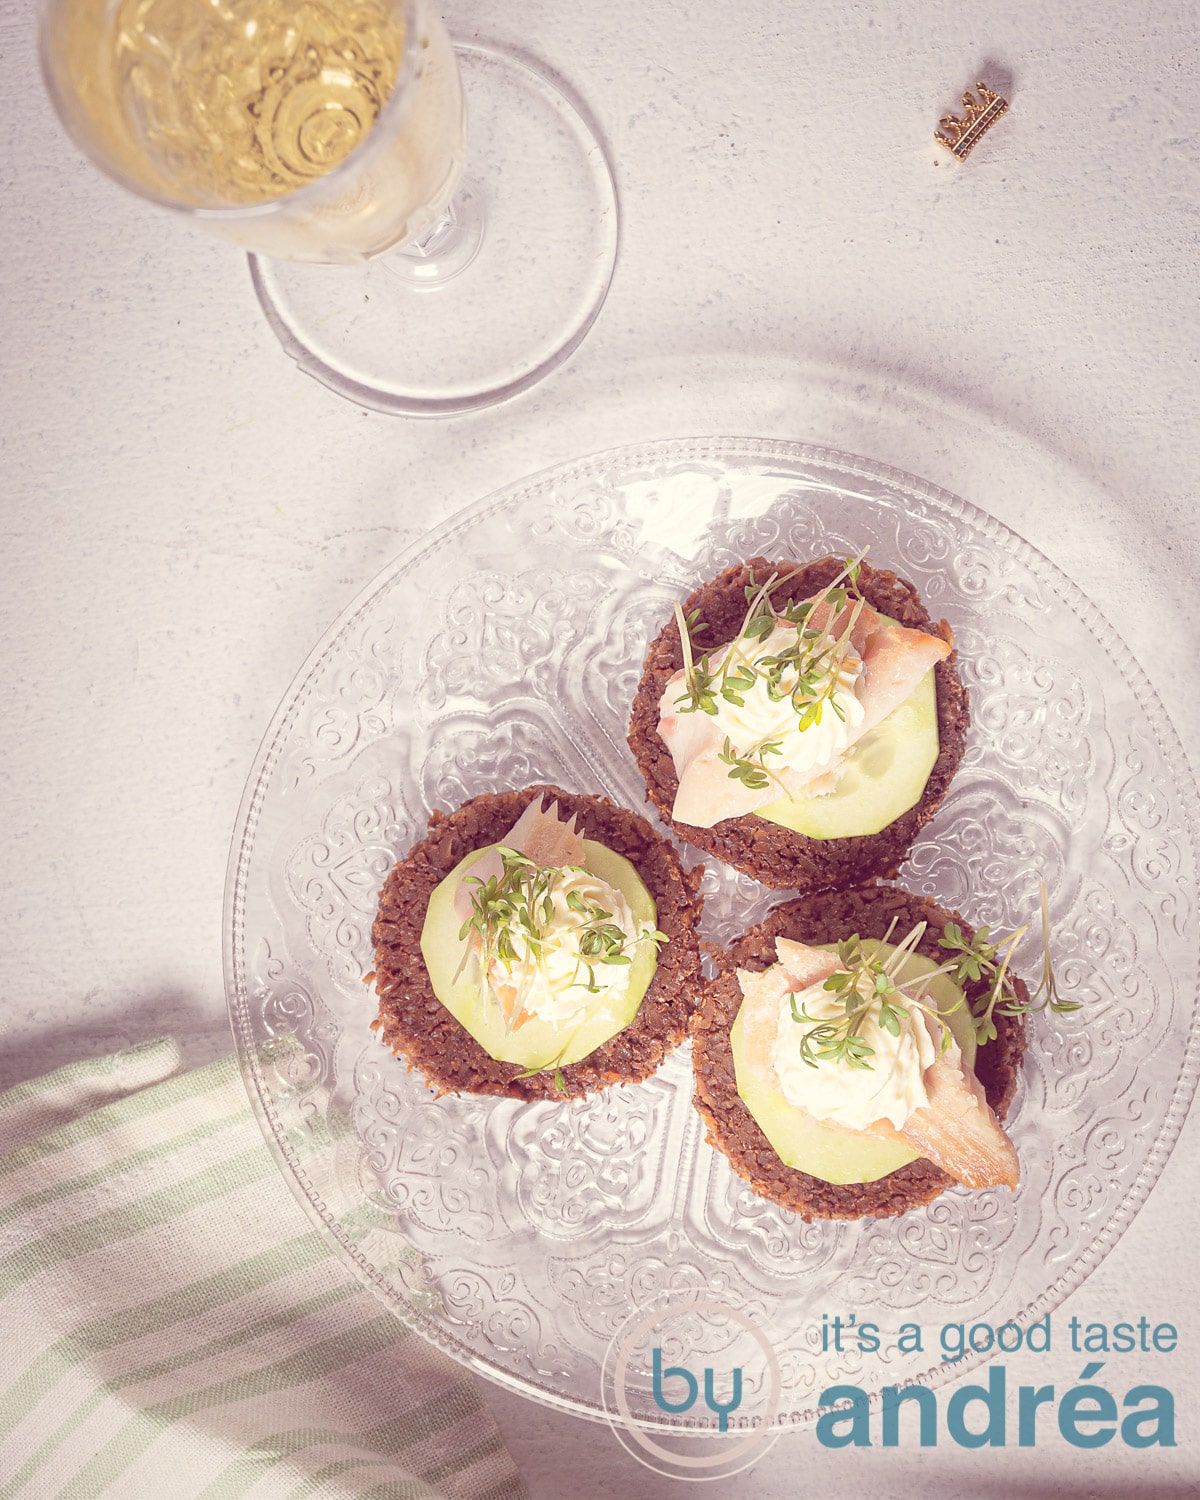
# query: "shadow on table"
{"type": "Point", "coordinates": [202, 1036]}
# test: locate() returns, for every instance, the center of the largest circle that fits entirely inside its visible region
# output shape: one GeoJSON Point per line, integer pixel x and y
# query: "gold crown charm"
{"type": "Point", "coordinates": [962, 135]}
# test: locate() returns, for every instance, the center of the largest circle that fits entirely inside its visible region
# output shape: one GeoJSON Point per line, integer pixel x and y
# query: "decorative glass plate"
{"type": "Point", "coordinates": [504, 649]}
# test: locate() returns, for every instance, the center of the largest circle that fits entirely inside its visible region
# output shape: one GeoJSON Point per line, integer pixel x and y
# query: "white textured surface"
{"type": "Point", "coordinates": [184, 512]}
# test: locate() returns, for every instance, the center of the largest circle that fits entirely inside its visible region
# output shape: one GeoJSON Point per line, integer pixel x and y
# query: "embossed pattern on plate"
{"type": "Point", "coordinates": [504, 649]}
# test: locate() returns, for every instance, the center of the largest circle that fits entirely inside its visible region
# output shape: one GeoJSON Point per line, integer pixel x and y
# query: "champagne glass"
{"type": "Point", "coordinates": [397, 265]}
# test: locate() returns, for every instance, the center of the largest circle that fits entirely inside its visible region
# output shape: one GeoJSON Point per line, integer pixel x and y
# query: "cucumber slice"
{"type": "Point", "coordinates": [885, 775]}
{"type": "Point", "coordinates": [537, 1044]}
{"type": "Point", "coordinates": [824, 1151]}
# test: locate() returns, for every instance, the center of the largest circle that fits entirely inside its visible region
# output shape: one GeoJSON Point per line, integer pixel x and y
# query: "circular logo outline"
{"type": "Point", "coordinates": [624, 1424]}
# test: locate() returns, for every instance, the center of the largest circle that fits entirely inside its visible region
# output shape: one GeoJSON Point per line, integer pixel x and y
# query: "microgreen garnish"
{"type": "Point", "coordinates": [865, 986]}
{"type": "Point", "coordinates": [982, 959]}
{"type": "Point", "coordinates": [806, 674]}
{"type": "Point", "coordinates": [512, 915]}
{"type": "Point", "coordinates": [560, 1083]}
{"type": "Point", "coordinates": [869, 985]}
{"type": "Point", "coordinates": [754, 775]}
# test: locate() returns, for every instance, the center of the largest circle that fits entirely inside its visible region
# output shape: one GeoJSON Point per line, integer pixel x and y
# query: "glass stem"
{"type": "Point", "coordinates": [446, 248]}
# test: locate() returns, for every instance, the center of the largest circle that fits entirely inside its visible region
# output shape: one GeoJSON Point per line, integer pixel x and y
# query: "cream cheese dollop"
{"type": "Point", "coordinates": [551, 975]}
{"type": "Point", "coordinates": [891, 1089]}
{"type": "Point", "coordinates": [709, 786]}
{"type": "Point", "coordinates": [762, 718]}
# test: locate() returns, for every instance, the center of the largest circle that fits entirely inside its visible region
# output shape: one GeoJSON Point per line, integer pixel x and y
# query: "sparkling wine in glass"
{"type": "Point", "coordinates": [329, 138]}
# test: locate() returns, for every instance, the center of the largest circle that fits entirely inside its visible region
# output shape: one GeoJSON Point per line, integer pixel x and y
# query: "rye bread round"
{"type": "Point", "coordinates": [772, 854]}
{"type": "Point", "coordinates": [827, 918]}
{"type": "Point", "coordinates": [414, 1023]}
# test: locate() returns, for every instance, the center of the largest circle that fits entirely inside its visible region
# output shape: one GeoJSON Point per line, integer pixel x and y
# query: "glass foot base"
{"type": "Point", "coordinates": [491, 299]}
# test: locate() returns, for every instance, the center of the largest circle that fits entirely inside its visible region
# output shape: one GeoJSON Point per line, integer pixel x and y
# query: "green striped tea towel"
{"type": "Point", "coordinates": [171, 1325]}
